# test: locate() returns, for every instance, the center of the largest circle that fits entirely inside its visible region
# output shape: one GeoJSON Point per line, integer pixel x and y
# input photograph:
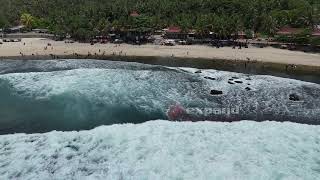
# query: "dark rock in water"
{"type": "Point", "coordinates": [198, 72]}
{"type": "Point", "coordinates": [211, 78]}
{"type": "Point", "coordinates": [230, 82]}
{"type": "Point", "coordinates": [239, 82]}
{"type": "Point", "coordinates": [230, 79]}
{"type": "Point", "coordinates": [248, 88]}
{"type": "Point", "coordinates": [248, 84]}
{"type": "Point", "coordinates": [216, 92]}
{"type": "Point", "coordinates": [235, 77]}
{"type": "Point", "coordinates": [294, 97]}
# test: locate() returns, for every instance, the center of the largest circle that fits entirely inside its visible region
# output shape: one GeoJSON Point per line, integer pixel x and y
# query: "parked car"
{"type": "Point", "coordinates": [69, 41]}
{"type": "Point", "coordinates": [283, 46]}
{"type": "Point", "coordinates": [118, 41]}
{"type": "Point", "coordinates": [103, 41]}
{"type": "Point", "coordinates": [182, 42]}
{"type": "Point", "coordinates": [94, 41]}
{"type": "Point", "coordinates": [169, 42]}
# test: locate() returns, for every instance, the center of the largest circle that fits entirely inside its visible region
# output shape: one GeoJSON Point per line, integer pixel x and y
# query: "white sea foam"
{"type": "Point", "coordinates": [149, 90]}
{"type": "Point", "coordinates": [143, 88]}
{"type": "Point", "coordinates": [91, 81]}
{"type": "Point", "coordinates": [166, 150]}
{"type": "Point", "coordinates": [255, 81]}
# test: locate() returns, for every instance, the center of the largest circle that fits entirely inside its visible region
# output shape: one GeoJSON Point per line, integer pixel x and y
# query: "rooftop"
{"type": "Point", "coordinates": [316, 32]}
{"type": "Point", "coordinates": [17, 27]}
{"type": "Point", "coordinates": [173, 29]}
{"type": "Point", "coordinates": [134, 14]}
{"type": "Point", "coordinates": [288, 31]}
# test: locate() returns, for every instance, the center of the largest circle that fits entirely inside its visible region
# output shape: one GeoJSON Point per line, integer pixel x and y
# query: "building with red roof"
{"type": "Point", "coordinates": [173, 29]}
{"type": "Point", "coordinates": [289, 31]}
{"type": "Point", "coordinates": [134, 14]}
{"type": "Point", "coordinates": [175, 32]}
{"type": "Point", "coordinates": [316, 32]}
{"type": "Point", "coordinates": [243, 35]}
{"type": "Point", "coordinates": [293, 31]}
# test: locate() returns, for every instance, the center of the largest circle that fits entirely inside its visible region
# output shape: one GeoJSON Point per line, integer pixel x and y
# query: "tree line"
{"type": "Point", "coordinates": [83, 19]}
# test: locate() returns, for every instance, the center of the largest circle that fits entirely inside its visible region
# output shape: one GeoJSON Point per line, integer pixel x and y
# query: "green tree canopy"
{"type": "Point", "coordinates": [222, 16]}
{"type": "Point", "coordinates": [27, 20]}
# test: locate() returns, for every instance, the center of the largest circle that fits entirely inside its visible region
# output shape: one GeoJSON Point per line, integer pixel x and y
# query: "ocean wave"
{"type": "Point", "coordinates": [87, 96]}
{"type": "Point", "coordinates": [166, 150]}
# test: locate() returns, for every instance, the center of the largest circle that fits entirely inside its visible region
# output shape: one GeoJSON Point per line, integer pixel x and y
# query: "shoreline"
{"type": "Point", "coordinates": [239, 66]}
{"type": "Point", "coordinates": [252, 60]}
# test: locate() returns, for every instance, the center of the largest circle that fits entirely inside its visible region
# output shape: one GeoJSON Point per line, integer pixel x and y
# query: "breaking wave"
{"type": "Point", "coordinates": [40, 96]}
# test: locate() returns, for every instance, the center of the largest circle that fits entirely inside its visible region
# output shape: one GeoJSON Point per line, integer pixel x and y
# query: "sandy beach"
{"type": "Point", "coordinates": [38, 47]}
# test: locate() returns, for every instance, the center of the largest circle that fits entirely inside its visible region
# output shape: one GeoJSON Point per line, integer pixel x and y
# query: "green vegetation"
{"type": "Point", "coordinates": [27, 20]}
{"type": "Point", "coordinates": [85, 18]}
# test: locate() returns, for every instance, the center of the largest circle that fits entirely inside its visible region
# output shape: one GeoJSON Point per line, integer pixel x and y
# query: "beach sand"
{"type": "Point", "coordinates": [36, 46]}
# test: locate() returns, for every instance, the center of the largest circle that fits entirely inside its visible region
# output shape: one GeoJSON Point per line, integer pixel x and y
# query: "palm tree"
{"type": "Point", "coordinates": [27, 20]}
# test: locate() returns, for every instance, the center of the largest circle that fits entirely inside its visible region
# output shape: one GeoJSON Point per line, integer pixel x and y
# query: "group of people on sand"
{"type": "Point", "coordinates": [247, 62]}
{"type": "Point", "coordinates": [120, 53]}
{"type": "Point", "coordinates": [44, 48]}
{"type": "Point", "coordinates": [290, 67]}
{"type": "Point", "coordinates": [48, 45]}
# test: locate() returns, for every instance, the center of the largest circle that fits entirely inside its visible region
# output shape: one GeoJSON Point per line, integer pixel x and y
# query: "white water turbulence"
{"type": "Point", "coordinates": [160, 150]}
{"type": "Point", "coordinates": [41, 96]}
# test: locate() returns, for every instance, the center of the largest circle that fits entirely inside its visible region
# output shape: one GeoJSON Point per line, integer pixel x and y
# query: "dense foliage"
{"type": "Point", "coordinates": [84, 18]}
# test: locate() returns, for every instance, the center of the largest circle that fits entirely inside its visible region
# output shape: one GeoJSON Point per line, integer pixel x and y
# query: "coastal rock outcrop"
{"type": "Point", "coordinates": [294, 97]}
{"type": "Point", "coordinates": [210, 78]}
{"type": "Point", "coordinates": [216, 92]}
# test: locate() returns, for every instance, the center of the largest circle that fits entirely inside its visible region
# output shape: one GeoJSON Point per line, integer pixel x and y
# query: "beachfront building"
{"type": "Point", "coordinates": [316, 31]}
{"type": "Point", "coordinates": [243, 35]}
{"type": "Point", "coordinates": [15, 29]}
{"type": "Point", "coordinates": [239, 35]}
{"type": "Point", "coordinates": [299, 38]}
{"type": "Point", "coordinates": [132, 36]}
{"type": "Point", "coordinates": [137, 36]}
{"type": "Point", "coordinates": [288, 31]}
{"type": "Point", "coordinates": [189, 36]}
{"type": "Point", "coordinates": [175, 32]}
{"type": "Point", "coordinates": [134, 14]}
{"type": "Point", "coordinates": [40, 31]}
{"type": "Point", "coordinates": [131, 33]}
